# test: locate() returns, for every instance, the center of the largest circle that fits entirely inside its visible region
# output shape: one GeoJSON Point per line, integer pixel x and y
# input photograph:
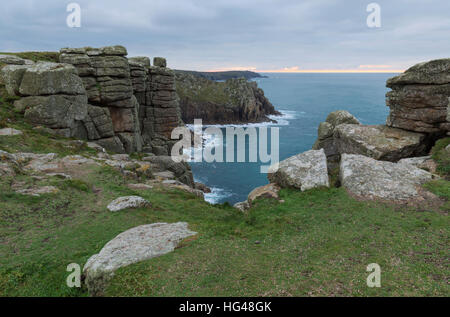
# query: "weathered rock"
{"type": "Point", "coordinates": [14, 60]}
{"type": "Point", "coordinates": [45, 78]}
{"type": "Point", "coordinates": [423, 162]}
{"type": "Point", "coordinates": [134, 245]}
{"type": "Point", "coordinates": [368, 178]}
{"type": "Point", "coordinates": [112, 144]}
{"type": "Point", "coordinates": [202, 187]}
{"type": "Point", "coordinates": [140, 186]}
{"type": "Point", "coordinates": [235, 101]}
{"type": "Point", "coordinates": [11, 76]}
{"type": "Point", "coordinates": [141, 60]}
{"type": "Point", "coordinates": [10, 132]}
{"type": "Point", "coordinates": [379, 142]}
{"type": "Point", "coordinates": [6, 170]}
{"type": "Point", "coordinates": [171, 183]}
{"type": "Point", "coordinates": [420, 98]}
{"type": "Point", "coordinates": [303, 171]}
{"type": "Point", "coordinates": [159, 62]}
{"type": "Point", "coordinates": [267, 191]}
{"type": "Point", "coordinates": [325, 139]}
{"type": "Point", "coordinates": [38, 191]}
{"type": "Point", "coordinates": [242, 206]}
{"type": "Point", "coordinates": [127, 202]}
{"type": "Point", "coordinates": [181, 170]}
{"type": "Point", "coordinates": [55, 111]}
{"type": "Point", "coordinates": [432, 72]}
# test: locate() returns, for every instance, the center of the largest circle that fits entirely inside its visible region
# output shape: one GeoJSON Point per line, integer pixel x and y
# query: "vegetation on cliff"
{"type": "Point", "coordinates": [316, 243]}
{"type": "Point", "coordinates": [232, 101]}
{"type": "Point", "coordinates": [225, 75]}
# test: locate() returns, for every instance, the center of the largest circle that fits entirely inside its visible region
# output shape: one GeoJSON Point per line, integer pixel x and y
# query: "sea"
{"type": "Point", "coordinates": [304, 101]}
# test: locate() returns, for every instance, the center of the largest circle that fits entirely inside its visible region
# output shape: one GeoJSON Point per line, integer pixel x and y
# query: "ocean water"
{"type": "Point", "coordinates": [305, 100]}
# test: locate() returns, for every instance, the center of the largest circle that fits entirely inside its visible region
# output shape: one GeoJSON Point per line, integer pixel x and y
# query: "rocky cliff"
{"type": "Point", "coordinates": [232, 101]}
{"type": "Point", "coordinates": [419, 100]}
{"type": "Point", "coordinates": [125, 105]}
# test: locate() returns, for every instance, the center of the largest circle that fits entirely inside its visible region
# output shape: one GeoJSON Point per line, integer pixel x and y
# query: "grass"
{"type": "Point", "coordinates": [316, 243]}
{"type": "Point", "coordinates": [37, 56]}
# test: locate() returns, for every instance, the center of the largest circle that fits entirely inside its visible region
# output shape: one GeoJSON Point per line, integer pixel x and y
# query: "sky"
{"type": "Point", "coordinates": [258, 35]}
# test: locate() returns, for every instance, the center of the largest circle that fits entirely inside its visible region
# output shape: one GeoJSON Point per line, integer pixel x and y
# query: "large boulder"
{"type": "Point", "coordinates": [266, 191]}
{"type": "Point", "coordinates": [55, 111]}
{"type": "Point", "coordinates": [181, 170]}
{"type": "Point", "coordinates": [127, 202]}
{"type": "Point", "coordinates": [325, 134]}
{"type": "Point", "coordinates": [420, 98]}
{"type": "Point", "coordinates": [368, 178]}
{"type": "Point", "coordinates": [379, 142]}
{"type": "Point", "coordinates": [45, 78]}
{"type": "Point", "coordinates": [11, 76]}
{"type": "Point", "coordinates": [134, 245]}
{"type": "Point", "coordinates": [14, 60]}
{"type": "Point", "coordinates": [303, 171]}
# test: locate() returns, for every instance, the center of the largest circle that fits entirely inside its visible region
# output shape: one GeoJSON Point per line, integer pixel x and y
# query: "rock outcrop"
{"type": "Point", "coordinates": [52, 95]}
{"type": "Point", "coordinates": [232, 101]}
{"type": "Point", "coordinates": [127, 202]}
{"type": "Point", "coordinates": [134, 245]}
{"type": "Point", "coordinates": [379, 142]}
{"type": "Point", "coordinates": [420, 98]}
{"type": "Point", "coordinates": [125, 105]}
{"type": "Point", "coordinates": [303, 171]}
{"type": "Point", "coordinates": [113, 108]}
{"type": "Point", "coordinates": [368, 178]}
{"type": "Point", "coordinates": [325, 139]}
{"type": "Point", "coordinates": [266, 191]}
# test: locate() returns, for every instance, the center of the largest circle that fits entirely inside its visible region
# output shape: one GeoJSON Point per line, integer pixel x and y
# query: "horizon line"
{"type": "Point", "coordinates": [311, 71]}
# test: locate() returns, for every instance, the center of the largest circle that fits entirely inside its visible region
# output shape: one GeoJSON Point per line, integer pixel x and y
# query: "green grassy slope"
{"type": "Point", "coordinates": [316, 243]}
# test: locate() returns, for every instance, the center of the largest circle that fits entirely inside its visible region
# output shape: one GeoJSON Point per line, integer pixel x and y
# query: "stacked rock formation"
{"type": "Point", "coordinates": [162, 113]}
{"type": "Point", "coordinates": [112, 118]}
{"type": "Point", "coordinates": [125, 105]}
{"type": "Point", "coordinates": [51, 94]}
{"type": "Point", "coordinates": [420, 98]}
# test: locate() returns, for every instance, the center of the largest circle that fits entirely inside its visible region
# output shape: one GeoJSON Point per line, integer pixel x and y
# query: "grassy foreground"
{"type": "Point", "coordinates": [316, 243]}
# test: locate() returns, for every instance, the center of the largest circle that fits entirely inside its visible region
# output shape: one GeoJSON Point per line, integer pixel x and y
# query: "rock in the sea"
{"type": "Point", "coordinates": [325, 133]}
{"type": "Point", "coordinates": [134, 245]}
{"type": "Point", "coordinates": [420, 98]}
{"type": "Point", "coordinates": [9, 132]}
{"type": "Point", "coordinates": [266, 191]}
{"type": "Point", "coordinates": [127, 202]}
{"type": "Point", "coordinates": [303, 171]}
{"type": "Point", "coordinates": [368, 178]}
{"type": "Point", "coordinates": [379, 142]}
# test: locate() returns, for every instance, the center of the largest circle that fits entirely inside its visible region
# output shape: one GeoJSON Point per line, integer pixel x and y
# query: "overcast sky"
{"type": "Point", "coordinates": [239, 34]}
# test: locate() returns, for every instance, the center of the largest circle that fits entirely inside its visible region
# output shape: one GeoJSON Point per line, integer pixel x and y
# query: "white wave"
{"type": "Point", "coordinates": [217, 194]}
{"type": "Point", "coordinates": [280, 120]}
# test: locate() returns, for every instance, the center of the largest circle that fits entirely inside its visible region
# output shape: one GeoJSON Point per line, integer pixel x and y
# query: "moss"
{"type": "Point", "coordinates": [442, 157]}
{"type": "Point", "coordinates": [38, 56]}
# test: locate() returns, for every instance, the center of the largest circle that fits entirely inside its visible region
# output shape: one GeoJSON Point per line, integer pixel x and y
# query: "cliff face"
{"type": "Point", "coordinates": [232, 101]}
{"type": "Point", "coordinates": [420, 98]}
{"type": "Point", "coordinates": [125, 105]}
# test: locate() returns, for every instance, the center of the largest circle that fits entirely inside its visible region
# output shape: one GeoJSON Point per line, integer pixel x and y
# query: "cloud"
{"type": "Point", "coordinates": [225, 34]}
